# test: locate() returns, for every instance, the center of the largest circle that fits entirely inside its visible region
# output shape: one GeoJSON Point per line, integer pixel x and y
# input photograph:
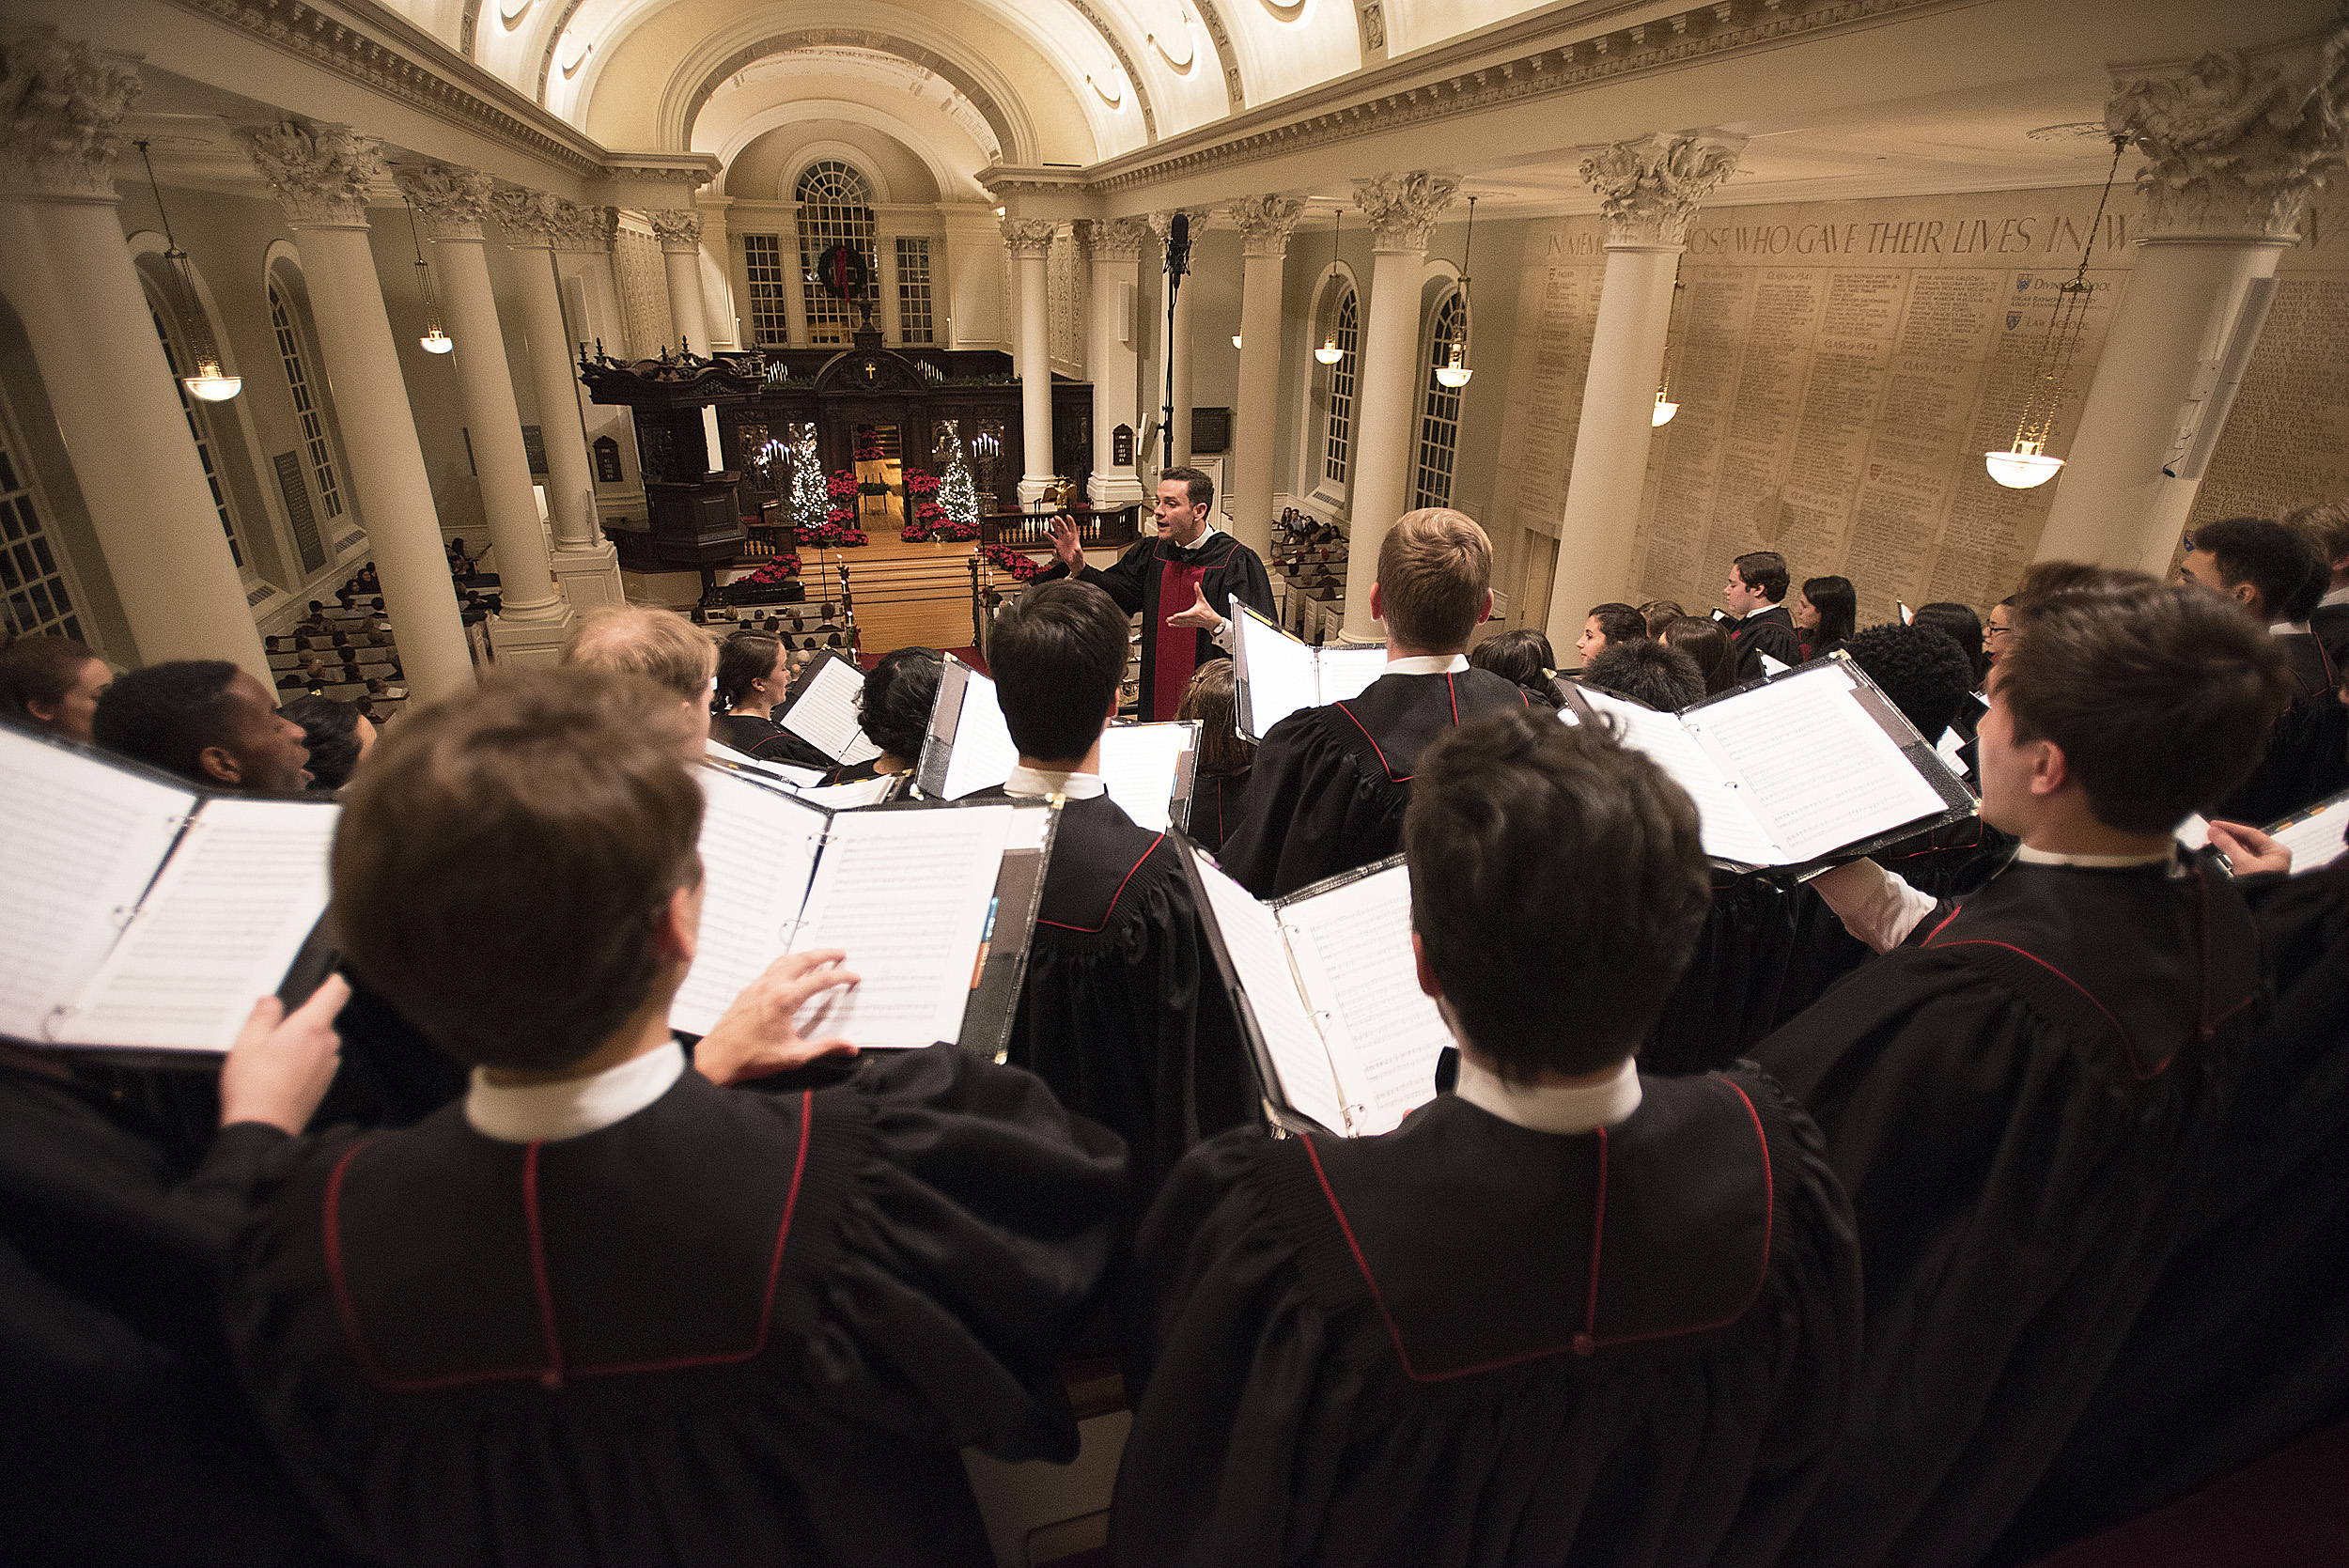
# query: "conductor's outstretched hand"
{"type": "Point", "coordinates": [1065, 543]}
{"type": "Point", "coordinates": [758, 1034]}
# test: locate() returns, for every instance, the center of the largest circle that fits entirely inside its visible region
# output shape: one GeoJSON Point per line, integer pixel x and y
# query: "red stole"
{"type": "Point", "coordinates": [1174, 654]}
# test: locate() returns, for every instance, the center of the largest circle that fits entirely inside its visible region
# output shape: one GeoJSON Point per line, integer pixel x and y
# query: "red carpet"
{"type": "Point", "coordinates": [2291, 1510]}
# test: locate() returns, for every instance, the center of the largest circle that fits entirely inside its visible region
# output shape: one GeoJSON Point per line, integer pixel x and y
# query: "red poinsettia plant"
{"type": "Point", "coordinates": [1019, 566]}
{"type": "Point", "coordinates": [776, 568]}
{"type": "Point", "coordinates": [868, 446]}
{"type": "Point", "coordinates": [838, 531]}
{"type": "Point", "coordinates": [921, 484]}
{"type": "Point", "coordinates": [840, 483]}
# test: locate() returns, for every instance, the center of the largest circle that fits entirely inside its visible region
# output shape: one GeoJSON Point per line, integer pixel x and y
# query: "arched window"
{"type": "Point", "coordinates": [835, 209]}
{"type": "Point", "coordinates": [1337, 446]}
{"type": "Point", "coordinates": [199, 428]}
{"type": "Point", "coordinates": [36, 594]}
{"type": "Point", "coordinates": [307, 408]}
{"type": "Point", "coordinates": [1439, 417]}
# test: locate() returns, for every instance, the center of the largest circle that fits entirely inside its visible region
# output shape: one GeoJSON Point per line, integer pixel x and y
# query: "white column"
{"type": "Point", "coordinates": [2221, 213]}
{"type": "Point", "coordinates": [65, 269]}
{"type": "Point", "coordinates": [1178, 345]}
{"type": "Point", "coordinates": [718, 307]}
{"type": "Point", "coordinates": [585, 244]}
{"type": "Point", "coordinates": [583, 561]}
{"type": "Point", "coordinates": [680, 230]}
{"type": "Point", "coordinates": [795, 279]}
{"type": "Point", "coordinates": [450, 206]}
{"type": "Point", "coordinates": [1030, 243]}
{"type": "Point", "coordinates": [1265, 224]}
{"type": "Point", "coordinates": [1116, 369]}
{"type": "Point", "coordinates": [1648, 189]}
{"type": "Point", "coordinates": [1403, 209]}
{"type": "Point", "coordinates": [322, 176]}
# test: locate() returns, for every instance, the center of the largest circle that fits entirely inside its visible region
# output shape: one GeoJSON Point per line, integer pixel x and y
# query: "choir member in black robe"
{"type": "Point", "coordinates": [2325, 525]}
{"type": "Point", "coordinates": [126, 1440]}
{"type": "Point", "coordinates": [605, 1310]}
{"type": "Point", "coordinates": [1757, 584]}
{"type": "Point", "coordinates": [1122, 1014]}
{"type": "Point", "coordinates": [2277, 575]}
{"type": "Point", "coordinates": [1219, 775]}
{"type": "Point", "coordinates": [1330, 785]}
{"type": "Point", "coordinates": [753, 677]}
{"type": "Point", "coordinates": [894, 710]}
{"type": "Point", "coordinates": [2023, 1095]}
{"type": "Point", "coordinates": [1565, 1313]}
{"type": "Point", "coordinates": [661, 646]}
{"type": "Point", "coordinates": [1183, 584]}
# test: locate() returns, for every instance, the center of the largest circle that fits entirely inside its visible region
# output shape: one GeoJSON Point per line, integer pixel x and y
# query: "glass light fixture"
{"type": "Point", "coordinates": [1664, 410]}
{"type": "Point", "coordinates": [209, 383]}
{"type": "Point", "coordinates": [1235, 340]}
{"type": "Point", "coordinates": [1455, 372]}
{"type": "Point", "coordinates": [2025, 465]}
{"type": "Point", "coordinates": [434, 340]}
{"type": "Point", "coordinates": [1329, 353]}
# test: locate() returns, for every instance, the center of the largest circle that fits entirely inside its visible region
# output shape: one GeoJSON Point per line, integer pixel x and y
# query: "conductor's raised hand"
{"type": "Point", "coordinates": [1065, 543]}
{"type": "Point", "coordinates": [281, 1064]}
{"type": "Point", "coordinates": [1201, 616]}
{"type": "Point", "coordinates": [2248, 850]}
{"type": "Point", "coordinates": [759, 1034]}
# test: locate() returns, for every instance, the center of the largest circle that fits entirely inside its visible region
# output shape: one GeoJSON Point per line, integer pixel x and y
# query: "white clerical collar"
{"type": "Point", "coordinates": [2336, 596]}
{"type": "Point", "coordinates": [1036, 782]}
{"type": "Point", "coordinates": [2288, 629]}
{"type": "Point", "coordinates": [2098, 862]}
{"type": "Point", "coordinates": [1432, 664]}
{"type": "Point", "coordinates": [549, 1113]}
{"type": "Point", "coordinates": [1551, 1107]}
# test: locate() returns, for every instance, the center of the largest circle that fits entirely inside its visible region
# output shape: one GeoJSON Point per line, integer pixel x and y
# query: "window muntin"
{"type": "Point", "coordinates": [835, 209]}
{"type": "Point", "coordinates": [1337, 448]}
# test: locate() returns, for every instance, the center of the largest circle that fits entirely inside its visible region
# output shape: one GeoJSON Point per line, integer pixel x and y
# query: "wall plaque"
{"type": "Point", "coordinates": [607, 460]}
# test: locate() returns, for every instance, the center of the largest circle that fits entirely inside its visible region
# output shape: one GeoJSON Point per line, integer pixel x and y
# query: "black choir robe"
{"type": "Point", "coordinates": [1140, 581]}
{"type": "Point", "coordinates": [1771, 632]}
{"type": "Point", "coordinates": [1124, 1012]}
{"type": "Point", "coordinates": [733, 1328]}
{"type": "Point", "coordinates": [1216, 805]}
{"type": "Point", "coordinates": [2243, 1348]}
{"type": "Point", "coordinates": [1330, 785]}
{"type": "Point", "coordinates": [2330, 625]}
{"type": "Point", "coordinates": [124, 1438]}
{"type": "Point", "coordinates": [762, 738]}
{"type": "Point", "coordinates": [1728, 997]}
{"type": "Point", "coordinates": [2306, 760]}
{"type": "Point", "coordinates": [2021, 1104]}
{"type": "Point", "coordinates": [2313, 667]}
{"type": "Point", "coordinates": [1469, 1342]}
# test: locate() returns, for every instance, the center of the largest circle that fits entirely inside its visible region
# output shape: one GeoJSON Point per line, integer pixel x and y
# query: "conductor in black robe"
{"type": "Point", "coordinates": [1755, 589]}
{"type": "Point", "coordinates": [1121, 1012]}
{"type": "Point", "coordinates": [605, 1310]}
{"type": "Point", "coordinates": [1330, 785]}
{"type": "Point", "coordinates": [2022, 1094]}
{"type": "Point", "coordinates": [1565, 1313]}
{"type": "Point", "coordinates": [1183, 584]}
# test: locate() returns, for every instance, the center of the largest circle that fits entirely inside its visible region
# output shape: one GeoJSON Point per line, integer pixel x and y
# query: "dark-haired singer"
{"type": "Point", "coordinates": [1183, 584]}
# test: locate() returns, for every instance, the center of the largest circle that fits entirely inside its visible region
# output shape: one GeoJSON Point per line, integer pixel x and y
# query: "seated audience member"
{"type": "Point", "coordinates": [1218, 777]}
{"type": "Point", "coordinates": [1330, 783]}
{"type": "Point", "coordinates": [895, 709]}
{"type": "Point", "coordinates": [1659, 613]}
{"type": "Point", "coordinates": [1705, 640]}
{"type": "Point", "coordinates": [2325, 525]}
{"type": "Point", "coordinates": [1757, 582]}
{"type": "Point", "coordinates": [659, 644]}
{"type": "Point", "coordinates": [338, 735]}
{"type": "Point", "coordinates": [1124, 1014]}
{"type": "Point", "coordinates": [763, 1324]}
{"type": "Point", "coordinates": [1485, 1337]}
{"type": "Point", "coordinates": [2275, 572]}
{"type": "Point", "coordinates": [1651, 674]}
{"type": "Point", "coordinates": [127, 1440]}
{"type": "Point", "coordinates": [1609, 626]}
{"type": "Point", "coordinates": [2098, 992]}
{"type": "Point", "coordinates": [459, 563]}
{"type": "Point", "coordinates": [207, 720]}
{"type": "Point", "coordinates": [52, 684]}
{"type": "Point", "coordinates": [1524, 657]}
{"type": "Point", "coordinates": [1827, 611]}
{"type": "Point", "coordinates": [1964, 628]}
{"type": "Point", "coordinates": [753, 678]}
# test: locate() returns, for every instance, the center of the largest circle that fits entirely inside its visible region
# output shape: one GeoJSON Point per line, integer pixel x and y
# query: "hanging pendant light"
{"type": "Point", "coordinates": [2026, 464]}
{"type": "Point", "coordinates": [1455, 372]}
{"type": "Point", "coordinates": [1329, 353]}
{"type": "Point", "coordinates": [434, 340]}
{"type": "Point", "coordinates": [1665, 407]}
{"type": "Point", "coordinates": [209, 383]}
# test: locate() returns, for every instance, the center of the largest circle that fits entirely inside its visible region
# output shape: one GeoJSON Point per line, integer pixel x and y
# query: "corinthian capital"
{"type": "Point", "coordinates": [531, 218]}
{"type": "Point", "coordinates": [1265, 224]}
{"type": "Point", "coordinates": [59, 104]}
{"type": "Point", "coordinates": [1403, 208]}
{"type": "Point", "coordinates": [591, 231]}
{"type": "Point", "coordinates": [2236, 144]}
{"type": "Point", "coordinates": [1649, 189]}
{"type": "Point", "coordinates": [322, 174]}
{"type": "Point", "coordinates": [1119, 239]}
{"type": "Point", "coordinates": [678, 228]}
{"type": "Point", "coordinates": [1027, 237]}
{"type": "Point", "coordinates": [451, 203]}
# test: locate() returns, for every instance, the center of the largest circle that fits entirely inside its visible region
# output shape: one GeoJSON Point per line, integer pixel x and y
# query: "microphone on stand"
{"type": "Point", "coordinates": [1178, 246]}
{"type": "Point", "coordinates": [1177, 264]}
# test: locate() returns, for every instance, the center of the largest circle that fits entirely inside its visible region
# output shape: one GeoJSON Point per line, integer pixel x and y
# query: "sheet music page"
{"type": "Point", "coordinates": [910, 895]}
{"type": "Point", "coordinates": [1347, 673]}
{"type": "Point", "coordinates": [825, 715]}
{"type": "Point", "coordinates": [84, 841]}
{"type": "Point", "coordinates": [1138, 762]}
{"type": "Point", "coordinates": [2194, 833]}
{"type": "Point", "coordinates": [1820, 772]}
{"type": "Point", "coordinates": [786, 773]}
{"type": "Point", "coordinates": [218, 930]}
{"type": "Point", "coordinates": [1725, 822]}
{"type": "Point", "coordinates": [758, 852]}
{"type": "Point", "coordinates": [1353, 946]}
{"type": "Point", "coordinates": [1774, 667]}
{"type": "Point", "coordinates": [984, 754]}
{"type": "Point", "coordinates": [849, 797]}
{"type": "Point", "coordinates": [1951, 750]}
{"type": "Point", "coordinates": [1252, 935]}
{"type": "Point", "coordinates": [2315, 840]}
{"type": "Point", "coordinates": [1278, 670]}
